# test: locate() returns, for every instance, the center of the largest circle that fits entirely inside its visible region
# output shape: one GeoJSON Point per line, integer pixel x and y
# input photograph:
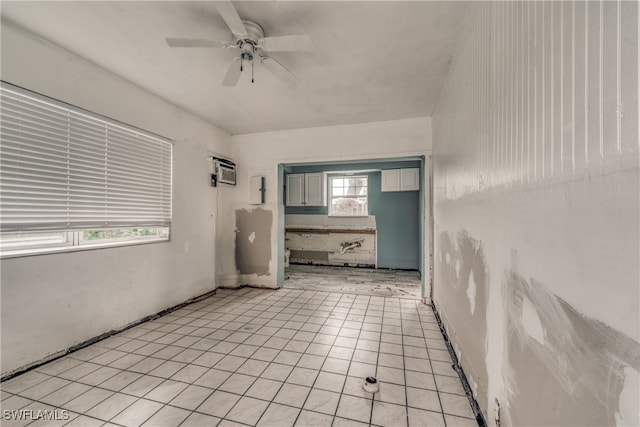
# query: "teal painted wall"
{"type": "Point", "coordinates": [397, 213]}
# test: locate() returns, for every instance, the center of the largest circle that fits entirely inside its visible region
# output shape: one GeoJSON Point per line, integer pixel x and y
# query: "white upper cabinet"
{"type": "Point", "coordinates": [306, 189]}
{"type": "Point", "coordinates": [314, 189]}
{"type": "Point", "coordinates": [295, 189]}
{"type": "Point", "coordinates": [407, 179]}
{"type": "Point", "coordinates": [390, 180]}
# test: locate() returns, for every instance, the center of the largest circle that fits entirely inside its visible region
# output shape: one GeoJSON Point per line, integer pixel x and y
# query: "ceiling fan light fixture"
{"type": "Point", "coordinates": [249, 38]}
{"type": "Point", "coordinates": [248, 50]}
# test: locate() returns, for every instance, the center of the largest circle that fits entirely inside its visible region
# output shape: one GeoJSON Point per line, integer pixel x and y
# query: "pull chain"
{"type": "Point", "coordinates": [252, 71]}
{"type": "Point", "coordinates": [241, 63]}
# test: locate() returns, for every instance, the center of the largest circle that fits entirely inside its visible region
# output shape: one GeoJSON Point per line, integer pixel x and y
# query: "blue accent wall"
{"type": "Point", "coordinates": [397, 213]}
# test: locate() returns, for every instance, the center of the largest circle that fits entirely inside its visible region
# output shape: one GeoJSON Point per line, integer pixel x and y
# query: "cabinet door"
{"type": "Point", "coordinates": [390, 180]}
{"type": "Point", "coordinates": [295, 189]}
{"type": "Point", "coordinates": [314, 189]}
{"type": "Point", "coordinates": [409, 179]}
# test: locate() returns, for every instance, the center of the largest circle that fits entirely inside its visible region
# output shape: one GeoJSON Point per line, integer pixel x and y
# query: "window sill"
{"type": "Point", "coordinates": [17, 253]}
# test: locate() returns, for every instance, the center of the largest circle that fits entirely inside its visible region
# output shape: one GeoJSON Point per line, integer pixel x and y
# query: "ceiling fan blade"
{"type": "Point", "coordinates": [199, 43]}
{"type": "Point", "coordinates": [279, 70]}
{"type": "Point", "coordinates": [233, 74]}
{"type": "Point", "coordinates": [231, 17]}
{"type": "Point", "coordinates": [286, 43]}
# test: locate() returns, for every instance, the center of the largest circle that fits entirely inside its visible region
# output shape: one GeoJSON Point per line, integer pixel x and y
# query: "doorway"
{"type": "Point", "coordinates": [399, 219]}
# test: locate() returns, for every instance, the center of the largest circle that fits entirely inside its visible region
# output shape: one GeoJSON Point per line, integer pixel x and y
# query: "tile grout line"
{"type": "Point", "coordinates": [319, 370]}
{"type": "Point", "coordinates": [373, 397]}
{"type": "Point", "coordinates": [404, 371]}
{"type": "Point", "coordinates": [165, 404]}
{"type": "Point", "coordinates": [351, 360]}
{"type": "Point", "coordinates": [260, 347]}
{"type": "Point", "coordinates": [283, 382]}
{"type": "Point", "coordinates": [195, 410]}
{"type": "Point", "coordinates": [227, 307]}
{"type": "Point", "coordinates": [435, 383]}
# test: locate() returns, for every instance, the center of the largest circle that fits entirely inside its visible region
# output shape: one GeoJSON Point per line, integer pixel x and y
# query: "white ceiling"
{"type": "Point", "coordinates": [373, 60]}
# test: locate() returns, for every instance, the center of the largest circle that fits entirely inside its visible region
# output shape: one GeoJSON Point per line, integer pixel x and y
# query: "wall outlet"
{"type": "Point", "coordinates": [496, 413]}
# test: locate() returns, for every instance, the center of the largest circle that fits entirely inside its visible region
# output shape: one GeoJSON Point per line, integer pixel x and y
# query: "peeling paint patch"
{"type": "Point", "coordinates": [584, 361]}
{"type": "Point", "coordinates": [627, 414]}
{"type": "Point", "coordinates": [471, 294]}
{"type": "Point", "coordinates": [531, 321]}
{"type": "Point", "coordinates": [253, 241]}
{"type": "Point", "coordinates": [463, 288]}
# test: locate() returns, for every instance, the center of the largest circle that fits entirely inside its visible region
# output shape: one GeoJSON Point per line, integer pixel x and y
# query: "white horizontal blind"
{"type": "Point", "coordinates": [65, 168]}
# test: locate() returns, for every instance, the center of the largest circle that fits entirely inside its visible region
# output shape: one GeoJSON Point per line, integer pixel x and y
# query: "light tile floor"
{"type": "Point", "coordinates": [255, 357]}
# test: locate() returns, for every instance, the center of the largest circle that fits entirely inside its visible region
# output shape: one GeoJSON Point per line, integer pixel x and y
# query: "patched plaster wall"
{"type": "Point", "coordinates": [536, 188]}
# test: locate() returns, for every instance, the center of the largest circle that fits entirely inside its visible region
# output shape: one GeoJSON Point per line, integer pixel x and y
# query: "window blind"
{"type": "Point", "coordinates": [64, 168]}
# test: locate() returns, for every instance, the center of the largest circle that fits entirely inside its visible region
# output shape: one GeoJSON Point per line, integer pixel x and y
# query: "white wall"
{"type": "Point", "coordinates": [260, 154]}
{"type": "Point", "coordinates": [536, 185]}
{"type": "Point", "coordinates": [51, 302]}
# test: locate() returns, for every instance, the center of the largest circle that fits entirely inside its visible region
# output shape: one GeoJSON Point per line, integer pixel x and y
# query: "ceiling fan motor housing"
{"type": "Point", "coordinates": [249, 43]}
{"type": "Point", "coordinates": [254, 33]}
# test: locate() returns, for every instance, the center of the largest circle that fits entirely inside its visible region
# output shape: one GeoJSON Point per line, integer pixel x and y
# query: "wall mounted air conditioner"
{"type": "Point", "coordinates": [225, 171]}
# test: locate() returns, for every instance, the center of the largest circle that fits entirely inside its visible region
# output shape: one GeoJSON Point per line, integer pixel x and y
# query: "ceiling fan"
{"type": "Point", "coordinates": [254, 46]}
